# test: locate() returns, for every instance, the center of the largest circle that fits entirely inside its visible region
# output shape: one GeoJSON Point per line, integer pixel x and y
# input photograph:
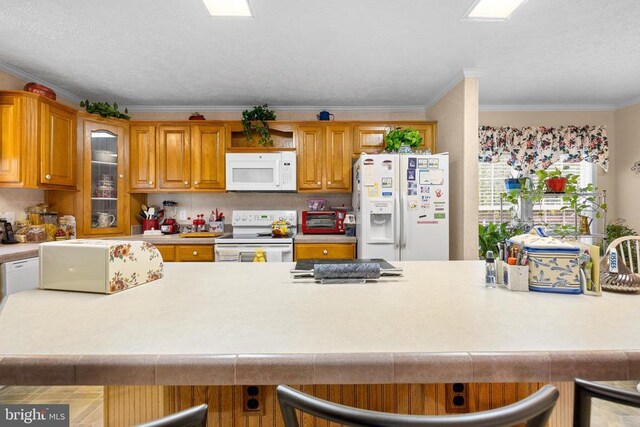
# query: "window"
{"type": "Point", "coordinates": [492, 176]}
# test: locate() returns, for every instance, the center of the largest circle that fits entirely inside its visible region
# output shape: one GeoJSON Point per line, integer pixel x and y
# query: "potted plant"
{"type": "Point", "coordinates": [493, 233]}
{"type": "Point", "coordinates": [554, 181]}
{"type": "Point", "coordinates": [400, 137]}
{"type": "Point", "coordinates": [255, 121]}
{"type": "Point", "coordinates": [104, 109]}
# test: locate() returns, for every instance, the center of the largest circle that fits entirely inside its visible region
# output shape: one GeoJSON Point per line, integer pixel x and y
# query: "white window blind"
{"type": "Point", "coordinates": [492, 176]}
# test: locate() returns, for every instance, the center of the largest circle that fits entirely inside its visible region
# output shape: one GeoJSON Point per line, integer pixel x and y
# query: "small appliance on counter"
{"type": "Point", "coordinates": [170, 224]}
{"type": "Point", "coordinates": [323, 222]}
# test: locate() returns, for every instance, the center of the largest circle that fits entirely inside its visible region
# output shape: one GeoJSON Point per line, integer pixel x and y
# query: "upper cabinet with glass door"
{"type": "Point", "coordinates": [104, 182]}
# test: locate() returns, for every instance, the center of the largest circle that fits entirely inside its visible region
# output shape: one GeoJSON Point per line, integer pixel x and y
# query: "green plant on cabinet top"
{"type": "Point", "coordinates": [255, 121]}
{"type": "Point", "coordinates": [105, 110]}
{"type": "Point", "coordinates": [402, 136]}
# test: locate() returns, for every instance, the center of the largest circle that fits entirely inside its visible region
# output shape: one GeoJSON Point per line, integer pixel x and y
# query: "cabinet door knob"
{"type": "Point", "coordinates": [329, 182]}
{"type": "Point", "coordinates": [195, 253]}
{"type": "Point", "coordinates": [319, 183]}
{"type": "Point", "coordinates": [196, 182]}
{"type": "Point", "coordinates": [186, 183]}
{"type": "Point", "coordinates": [325, 252]}
{"type": "Point", "coordinates": [47, 176]}
{"type": "Point", "coordinates": [121, 176]}
{"type": "Point", "coordinates": [150, 182]}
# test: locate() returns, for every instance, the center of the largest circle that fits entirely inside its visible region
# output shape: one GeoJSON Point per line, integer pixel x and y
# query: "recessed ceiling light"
{"type": "Point", "coordinates": [492, 10]}
{"type": "Point", "coordinates": [228, 7]}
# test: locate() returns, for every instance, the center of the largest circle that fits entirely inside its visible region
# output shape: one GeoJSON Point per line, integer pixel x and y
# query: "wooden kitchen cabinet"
{"type": "Point", "coordinates": [104, 184]}
{"type": "Point", "coordinates": [369, 138]}
{"type": "Point", "coordinates": [38, 145]}
{"type": "Point", "coordinates": [177, 157]}
{"type": "Point", "coordinates": [168, 252]}
{"type": "Point", "coordinates": [324, 251]}
{"type": "Point", "coordinates": [57, 145]}
{"type": "Point", "coordinates": [174, 157]}
{"type": "Point", "coordinates": [12, 147]}
{"type": "Point", "coordinates": [143, 157]}
{"type": "Point", "coordinates": [324, 158]}
{"type": "Point", "coordinates": [310, 158]}
{"type": "Point", "coordinates": [186, 253]}
{"type": "Point", "coordinates": [427, 131]}
{"type": "Point", "coordinates": [207, 157]}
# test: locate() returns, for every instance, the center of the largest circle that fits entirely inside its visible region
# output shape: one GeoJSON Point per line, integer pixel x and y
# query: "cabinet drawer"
{"type": "Point", "coordinates": [328, 251]}
{"type": "Point", "coordinates": [168, 252]}
{"type": "Point", "coordinates": [191, 253]}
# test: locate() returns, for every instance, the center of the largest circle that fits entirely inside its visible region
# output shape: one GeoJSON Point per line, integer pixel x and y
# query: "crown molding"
{"type": "Point", "coordinates": [460, 76]}
{"type": "Point", "coordinates": [628, 103]}
{"type": "Point", "coordinates": [23, 75]}
{"type": "Point", "coordinates": [547, 107]}
{"type": "Point", "coordinates": [284, 108]}
{"type": "Point", "coordinates": [472, 72]}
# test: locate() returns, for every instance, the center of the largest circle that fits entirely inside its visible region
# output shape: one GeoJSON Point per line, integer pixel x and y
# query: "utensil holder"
{"type": "Point", "coordinates": [216, 226]}
{"type": "Point", "coordinates": [150, 224]}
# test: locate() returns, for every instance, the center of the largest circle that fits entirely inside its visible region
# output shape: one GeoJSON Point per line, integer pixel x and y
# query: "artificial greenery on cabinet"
{"type": "Point", "coordinates": [255, 121]}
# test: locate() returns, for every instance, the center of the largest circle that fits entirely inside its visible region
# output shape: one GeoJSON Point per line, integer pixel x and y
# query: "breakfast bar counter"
{"type": "Point", "coordinates": [224, 324]}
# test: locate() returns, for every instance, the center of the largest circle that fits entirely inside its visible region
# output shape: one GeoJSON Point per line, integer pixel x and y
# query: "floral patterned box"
{"type": "Point", "coordinates": [103, 266]}
{"type": "Point", "coordinates": [553, 264]}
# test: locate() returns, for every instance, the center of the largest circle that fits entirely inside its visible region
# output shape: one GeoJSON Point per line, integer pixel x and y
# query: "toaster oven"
{"type": "Point", "coordinates": [323, 222]}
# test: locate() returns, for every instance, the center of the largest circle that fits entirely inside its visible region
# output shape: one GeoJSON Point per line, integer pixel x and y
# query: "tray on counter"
{"type": "Point", "coordinates": [307, 264]}
{"type": "Point", "coordinates": [202, 234]}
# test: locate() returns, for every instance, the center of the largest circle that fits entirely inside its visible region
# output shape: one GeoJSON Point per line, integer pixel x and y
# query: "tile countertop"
{"type": "Point", "coordinates": [18, 251]}
{"type": "Point", "coordinates": [324, 238]}
{"type": "Point", "coordinates": [30, 250]}
{"type": "Point", "coordinates": [436, 324]}
{"type": "Point", "coordinates": [170, 239]}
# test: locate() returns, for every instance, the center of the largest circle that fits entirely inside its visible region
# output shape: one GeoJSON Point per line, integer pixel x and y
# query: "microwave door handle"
{"type": "Point", "coordinates": [277, 173]}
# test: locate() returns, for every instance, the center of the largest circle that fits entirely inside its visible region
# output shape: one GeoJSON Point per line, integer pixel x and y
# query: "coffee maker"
{"type": "Point", "coordinates": [170, 224]}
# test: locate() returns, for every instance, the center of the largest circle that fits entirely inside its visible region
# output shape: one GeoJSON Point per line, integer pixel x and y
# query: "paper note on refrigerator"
{"type": "Point", "coordinates": [431, 177]}
{"type": "Point", "coordinates": [368, 173]}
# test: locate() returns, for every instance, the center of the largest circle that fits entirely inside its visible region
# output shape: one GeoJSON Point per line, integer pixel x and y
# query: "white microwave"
{"type": "Point", "coordinates": [261, 171]}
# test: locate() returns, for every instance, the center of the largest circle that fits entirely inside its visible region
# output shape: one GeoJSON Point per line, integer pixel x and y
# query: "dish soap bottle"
{"type": "Point", "coordinates": [259, 256]}
{"type": "Point", "coordinates": [490, 271]}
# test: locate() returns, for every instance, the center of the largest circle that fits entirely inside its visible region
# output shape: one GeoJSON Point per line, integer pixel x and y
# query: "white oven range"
{"type": "Point", "coordinates": [251, 231]}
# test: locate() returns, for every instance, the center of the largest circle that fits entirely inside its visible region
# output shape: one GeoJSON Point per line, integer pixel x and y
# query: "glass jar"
{"type": "Point", "coordinates": [69, 222]}
{"type": "Point", "coordinates": [50, 218]}
{"type": "Point", "coordinates": [36, 234]}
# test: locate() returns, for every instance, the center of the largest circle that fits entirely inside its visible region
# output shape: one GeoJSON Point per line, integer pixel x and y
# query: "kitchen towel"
{"type": "Point", "coordinates": [227, 255]}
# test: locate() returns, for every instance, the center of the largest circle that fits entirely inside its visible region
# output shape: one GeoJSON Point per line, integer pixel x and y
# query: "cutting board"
{"type": "Point", "coordinates": [202, 234]}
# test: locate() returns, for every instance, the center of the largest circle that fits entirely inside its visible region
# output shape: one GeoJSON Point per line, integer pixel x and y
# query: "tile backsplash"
{"type": "Point", "coordinates": [204, 203]}
{"type": "Point", "coordinates": [16, 200]}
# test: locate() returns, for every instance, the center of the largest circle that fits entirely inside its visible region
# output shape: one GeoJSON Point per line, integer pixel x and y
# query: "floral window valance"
{"type": "Point", "coordinates": [534, 148]}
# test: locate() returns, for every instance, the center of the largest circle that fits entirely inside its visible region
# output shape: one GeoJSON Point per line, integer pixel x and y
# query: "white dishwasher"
{"type": "Point", "coordinates": [19, 276]}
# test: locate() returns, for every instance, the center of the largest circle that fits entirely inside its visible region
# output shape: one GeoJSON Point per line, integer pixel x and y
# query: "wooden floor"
{"type": "Point", "coordinates": [86, 404]}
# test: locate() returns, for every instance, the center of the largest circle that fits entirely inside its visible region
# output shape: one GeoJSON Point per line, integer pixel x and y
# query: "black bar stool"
{"type": "Point", "coordinates": [585, 390]}
{"type": "Point", "coordinates": [192, 417]}
{"type": "Point", "coordinates": [534, 410]}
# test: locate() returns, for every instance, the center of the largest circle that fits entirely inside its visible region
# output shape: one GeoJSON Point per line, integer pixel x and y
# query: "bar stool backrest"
{"type": "Point", "coordinates": [533, 410]}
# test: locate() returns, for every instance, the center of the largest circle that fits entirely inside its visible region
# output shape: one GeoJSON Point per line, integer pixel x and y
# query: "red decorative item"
{"type": "Point", "coordinates": [196, 116]}
{"type": "Point", "coordinates": [556, 184]}
{"type": "Point", "coordinates": [40, 90]}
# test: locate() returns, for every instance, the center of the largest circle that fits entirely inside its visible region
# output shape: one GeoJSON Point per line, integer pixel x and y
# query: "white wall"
{"type": "Point", "coordinates": [627, 153]}
{"type": "Point", "coordinates": [457, 116]}
{"type": "Point", "coordinates": [604, 180]}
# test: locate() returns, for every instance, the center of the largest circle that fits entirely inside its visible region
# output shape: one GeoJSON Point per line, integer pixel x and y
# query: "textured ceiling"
{"type": "Point", "coordinates": [325, 53]}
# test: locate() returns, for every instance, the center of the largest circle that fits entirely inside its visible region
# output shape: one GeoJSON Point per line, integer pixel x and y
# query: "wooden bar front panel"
{"type": "Point", "coordinates": [125, 406]}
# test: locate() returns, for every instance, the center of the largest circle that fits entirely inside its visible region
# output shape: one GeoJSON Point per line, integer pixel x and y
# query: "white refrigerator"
{"type": "Point", "coordinates": [402, 206]}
